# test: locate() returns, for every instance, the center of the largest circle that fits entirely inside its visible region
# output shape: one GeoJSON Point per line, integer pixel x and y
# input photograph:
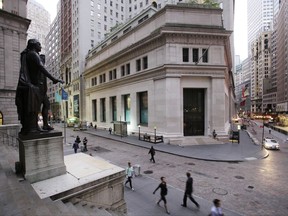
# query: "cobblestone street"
{"type": "Point", "coordinates": [255, 187]}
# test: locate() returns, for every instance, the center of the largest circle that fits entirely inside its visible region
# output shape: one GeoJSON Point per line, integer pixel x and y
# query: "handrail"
{"type": "Point", "coordinates": [7, 138]}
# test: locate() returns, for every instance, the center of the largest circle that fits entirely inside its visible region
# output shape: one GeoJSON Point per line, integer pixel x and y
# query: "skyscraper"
{"type": "Point", "coordinates": [260, 15]}
{"type": "Point", "coordinates": [40, 21]}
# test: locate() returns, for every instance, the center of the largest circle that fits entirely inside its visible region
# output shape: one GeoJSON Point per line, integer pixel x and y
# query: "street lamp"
{"type": "Point", "coordinates": [139, 130]}
{"type": "Point", "coordinates": [155, 134]}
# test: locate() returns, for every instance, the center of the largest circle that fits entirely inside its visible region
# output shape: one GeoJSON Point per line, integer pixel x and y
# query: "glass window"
{"type": "Point", "coordinates": [185, 54]}
{"type": "Point", "coordinates": [145, 62]}
{"type": "Point", "coordinates": [127, 106]}
{"type": "Point", "coordinates": [114, 108]}
{"type": "Point", "coordinates": [128, 68]}
{"type": "Point", "coordinates": [103, 110]}
{"type": "Point", "coordinates": [205, 55]}
{"type": "Point", "coordinates": [143, 107]}
{"type": "Point", "coordinates": [195, 53]}
{"type": "Point", "coordinates": [138, 64]}
{"type": "Point", "coordinates": [123, 70]}
{"type": "Point", "coordinates": [94, 110]}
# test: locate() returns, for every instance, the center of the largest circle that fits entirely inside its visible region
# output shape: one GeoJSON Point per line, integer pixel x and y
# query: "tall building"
{"type": "Point", "coordinates": [85, 25]}
{"type": "Point", "coordinates": [260, 15]}
{"type": "Point", "coordinates": [40, 22]}
{"type": "Point", "coordinates": [282, 58]}
{"type": "Point", "coordinates": [159, 72]}
{"type": "Point", "coordinates": [261, 61]}
{"type": "Point", "coordinates": [13, 35]}
{"type": "Point", "coordinates": [53, 59]}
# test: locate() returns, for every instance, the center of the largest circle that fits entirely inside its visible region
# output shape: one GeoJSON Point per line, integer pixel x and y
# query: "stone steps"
{"type": "Point", "coordinates": [17, 196]}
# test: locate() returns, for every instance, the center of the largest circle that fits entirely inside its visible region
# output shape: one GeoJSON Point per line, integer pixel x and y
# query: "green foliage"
{"type": "Point", "coordinates": [211, 3]}
{"type": "Point", "coordinates": [283, 121]}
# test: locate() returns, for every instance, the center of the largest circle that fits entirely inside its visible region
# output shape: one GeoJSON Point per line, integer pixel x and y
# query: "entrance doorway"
{"type": "Point", "coordinates": [193, 111]}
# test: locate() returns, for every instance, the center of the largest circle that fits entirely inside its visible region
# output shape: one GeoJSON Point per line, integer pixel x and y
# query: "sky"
{"type": "Point", "coordinates": [240, 24]}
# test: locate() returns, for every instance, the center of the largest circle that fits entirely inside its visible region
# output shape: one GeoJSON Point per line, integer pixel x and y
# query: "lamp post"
{"type": "Point", "coordinates": [139, 130]}
{"type": "Point", "coordinates": [262, 131]}
{"type": "Point", "coordinates": [155, 134]}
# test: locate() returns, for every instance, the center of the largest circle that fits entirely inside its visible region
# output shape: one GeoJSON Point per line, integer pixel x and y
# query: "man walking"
{"type": "Point", "coordinates": [152, 152]}
{"type": "Point", "coordinates": [163, 193]}
{"type": "Point", "coordinates": [129, 175]}
{"type": "Point", "coordinates": [188, 191]}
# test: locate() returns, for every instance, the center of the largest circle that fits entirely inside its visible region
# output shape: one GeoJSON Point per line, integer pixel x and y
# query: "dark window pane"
{"type": "Point", "coordinates": [185, 54]}
{"type": "Point", "coordinates": [143, 105]}
{"type": "Point", "coordinates": [195, 55]}
{"type": "Point", "coordinates": [205, 55]}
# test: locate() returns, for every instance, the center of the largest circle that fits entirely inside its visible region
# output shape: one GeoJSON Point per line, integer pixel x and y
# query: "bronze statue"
{"type": "Point", "coordinates": [44, 98]}
{"type": "Point", "coordinates": [28, 93]}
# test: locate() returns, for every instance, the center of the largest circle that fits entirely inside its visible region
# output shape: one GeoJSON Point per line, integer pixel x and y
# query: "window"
{"type": "Point", "coordinates": [145, 62]}
{"type": "Point", "coordinates": [128, 69]}
{"type": "Point", "coordinates": [127, 107]}
{"type": "Point", "coordinates": [102, 78]}
{"type": "Point", "coordinates": [113, 102]}
{"type": "Point", "coordinates": [103, 110]}
{"type": "Point", "coordinates": [185, 54]}
{"type": "Point", "coordinates": [195, 53]}
{"type": "Point", "coordinates": [205, 55]}
{"type": "Point", "coordinates": [114, 74]}
{"type": "Point", "coordinates": [94, 81]}
{"type": "Point", "coordinates": [123, 70]}
{"type": "Point", "coordinates": [143, 108]}
{"type": "Point", "coordinates": [138, 64]}
{"type": "Point", "coordinates": [94, 110]}
{"type": "Point", "coordinates": [110, 75]}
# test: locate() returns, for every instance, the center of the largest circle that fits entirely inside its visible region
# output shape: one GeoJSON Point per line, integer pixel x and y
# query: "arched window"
{"type": "Point", "coordinates": [1, 118]}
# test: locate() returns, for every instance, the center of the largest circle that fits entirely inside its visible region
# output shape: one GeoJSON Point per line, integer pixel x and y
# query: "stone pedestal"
{"type": "Point", "coordinates": [42, 158]}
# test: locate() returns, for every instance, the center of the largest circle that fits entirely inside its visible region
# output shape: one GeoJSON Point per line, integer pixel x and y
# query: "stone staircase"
{"type": "Point", "coordinates": [201, 140]}
{"type": "Point", "coordinates": [17, 197]}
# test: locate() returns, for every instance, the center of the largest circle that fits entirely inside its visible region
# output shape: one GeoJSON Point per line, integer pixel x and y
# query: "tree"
{"type": "Point", "coordinates": [211, 3]}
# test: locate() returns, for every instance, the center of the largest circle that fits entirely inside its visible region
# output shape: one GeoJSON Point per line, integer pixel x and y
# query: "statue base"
{"type": "Point", "coordinates": [41, 158]}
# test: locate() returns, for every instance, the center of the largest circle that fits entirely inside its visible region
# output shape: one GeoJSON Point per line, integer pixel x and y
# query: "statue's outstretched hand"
{"type": "Point", "coordinates": [58, 80]}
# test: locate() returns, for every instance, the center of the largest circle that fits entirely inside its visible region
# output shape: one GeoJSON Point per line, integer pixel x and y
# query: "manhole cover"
{"type": "Point", "coordinates": [192, 164]}
{"type": "Point", "coordinates": [172, 166]}
{"type": "Point", "coordinates": [231, 167]}
{"type": "Point", "coordinates": [148, 171]}
{"type": "Point", "coordinates": [239, 177]}
{"type": "Point", "coordinates": [220, 191]}
{"type": "Point", "coordinates": [250, 187]}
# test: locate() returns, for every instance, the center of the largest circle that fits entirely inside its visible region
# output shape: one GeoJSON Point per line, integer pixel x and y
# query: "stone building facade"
{"type": "Point", "coordinates": [168, 71]}
{"type": "Point", "coordinates": [13, 28]}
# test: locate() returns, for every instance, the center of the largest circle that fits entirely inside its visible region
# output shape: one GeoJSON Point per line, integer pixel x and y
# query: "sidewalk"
{"type": "Point", "coordinates": [142, 202]}
{"type": "Point", "coordinates": [229, 152]}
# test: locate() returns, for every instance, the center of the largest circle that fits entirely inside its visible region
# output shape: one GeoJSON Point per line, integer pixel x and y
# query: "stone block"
{"type": "Point", "coordinates": [41, 158]}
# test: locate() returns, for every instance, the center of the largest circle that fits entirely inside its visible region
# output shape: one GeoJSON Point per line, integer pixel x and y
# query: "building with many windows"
{"type": "Point", "coordinates": [40, 22]}
{"type": "Point", "coordinates": [282, 57]}
{"type": "Point", "coordinates": [158, 72]}
{"type": "Point", "coordinates": [261, 61]}
{"type": "Point", "coordinates": [13, 35]}
{"type": "Point", "coordinates": [53, 58]}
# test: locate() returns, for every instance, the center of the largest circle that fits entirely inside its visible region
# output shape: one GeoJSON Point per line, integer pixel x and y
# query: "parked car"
{"type": "Point", "coordinates": [270, 143]}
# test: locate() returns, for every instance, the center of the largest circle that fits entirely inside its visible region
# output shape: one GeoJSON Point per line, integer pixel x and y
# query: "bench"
{"type": "Point", "coordinates": [147, 137]}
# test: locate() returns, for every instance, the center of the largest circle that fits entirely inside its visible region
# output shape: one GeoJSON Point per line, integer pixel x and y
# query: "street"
{"type": "Point", "coordinates": [256, 187]}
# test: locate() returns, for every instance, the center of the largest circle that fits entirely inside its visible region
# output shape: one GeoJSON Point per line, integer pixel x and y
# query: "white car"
{"type": "Point", "coordinates": [270, 143]}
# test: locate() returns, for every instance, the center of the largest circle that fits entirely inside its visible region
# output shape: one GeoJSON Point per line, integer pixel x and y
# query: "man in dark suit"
{"type": "Point", "coordinates": [188, 191]}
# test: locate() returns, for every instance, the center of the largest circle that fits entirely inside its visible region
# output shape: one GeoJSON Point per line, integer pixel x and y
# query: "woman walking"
{"type": "Point", "coordinates": [163, 193]}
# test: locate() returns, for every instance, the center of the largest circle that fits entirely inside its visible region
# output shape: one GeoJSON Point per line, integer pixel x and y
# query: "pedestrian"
{"type": "Point", "coordinates": [129, 175]}
{"type": "Point", "coordinates": [75, 146]}
{"type": "Point", "coordinates": [163, 193]}
{"type": "Point", "coordinates": [85, 141]}
{"type": "Point", "coordinates": [216, 210]}
{"type": "Point", "coordinates": [152, 152]}
{"type": "Point", "coordinates": [77, 140]}
{"type": "Point", "coordinates": [110, 130]}
{"type": "Point", "coordinates": [188, 191]}
{"type": "Point", "coordinates": [214, 134]}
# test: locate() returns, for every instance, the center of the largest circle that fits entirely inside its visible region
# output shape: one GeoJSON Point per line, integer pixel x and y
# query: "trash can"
{"type": "Point", "coordinates": [137, 169]}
